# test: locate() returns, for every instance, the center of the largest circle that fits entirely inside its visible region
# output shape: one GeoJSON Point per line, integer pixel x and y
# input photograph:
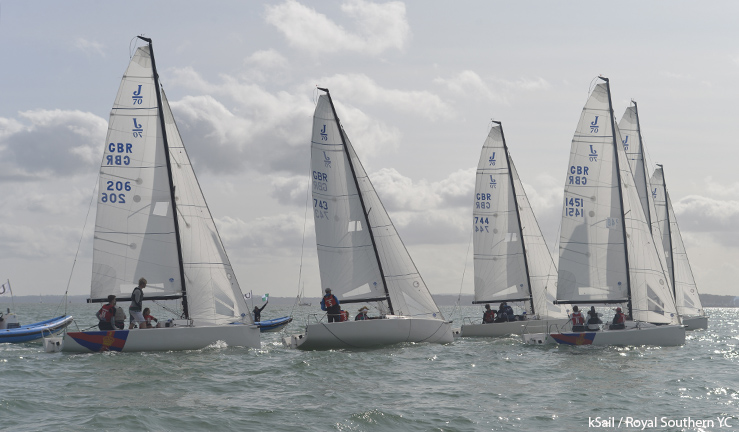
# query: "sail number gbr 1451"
{"type": "Point", "coordinates": [574, 207]}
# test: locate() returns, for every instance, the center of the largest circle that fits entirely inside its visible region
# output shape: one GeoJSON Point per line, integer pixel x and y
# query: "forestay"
{"type": "Point", "coordinates": [687, 298]}
{"type": "Point", "coordinates": [360, 254]}
{"type": "Point", "coordinates": [606, 250]}
{"type": "Point", "coordinates": [135, 226]}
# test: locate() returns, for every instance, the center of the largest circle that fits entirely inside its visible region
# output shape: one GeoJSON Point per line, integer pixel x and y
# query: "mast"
{"type": "Point", "coordinates": [620, 197]}
{"type": "Point", "coordinates": [361, 200]}
{"type": "Point", "coordinates": [669, 234]}
{"type": "Point", "coordinates": [160, 110]}
{"type": "Point", "coordinates": [518, 217]}
{"type": "Point", "coordinates": [643, 165]}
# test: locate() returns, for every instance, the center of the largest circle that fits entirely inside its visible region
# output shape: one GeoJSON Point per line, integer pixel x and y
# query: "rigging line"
{"type": "Point", "coordinates": [79, 245]}
{"type": "Point", "coordinates": [461, 284]}
{"type": "Point", "coordinates": [302, 252]}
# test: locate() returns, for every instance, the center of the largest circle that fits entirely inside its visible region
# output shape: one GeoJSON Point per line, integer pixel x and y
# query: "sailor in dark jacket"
{"type": "Point", "coordinates": [330, 304]}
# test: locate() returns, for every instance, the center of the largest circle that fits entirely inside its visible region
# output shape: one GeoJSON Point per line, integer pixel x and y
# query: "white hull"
{"type": "Point", "coordinates": [640, 334]}
{"type": "Point", "coordinates": [370, 333]}
{"type": "Point", "coordinates": [695, 322]}
{"type": "Point", "coordinates": [507, 328]}
{"type": "Point", "coordinates": [178, 338]}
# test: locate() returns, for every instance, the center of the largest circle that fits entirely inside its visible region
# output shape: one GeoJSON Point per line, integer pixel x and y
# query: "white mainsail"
{"type": "Point", "coordinates": [687, 298]}
{"type": "Point", "coordinates": [360, 255]}
{"type": "Point", "coordinates": [135, 229]}
{"type": "Point", "coordinates": [607, 254]}
{"type": "Point", "coordinates": [512, 261]}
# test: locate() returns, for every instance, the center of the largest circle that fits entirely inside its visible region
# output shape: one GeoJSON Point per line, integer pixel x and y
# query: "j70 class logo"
{"type": "Point", "coordinates": [324, 135]}
{"type": "Point", "coordinates": [493, 184]}
{"type": "Point", "coordinates": [492, 160]}
{"type": "Point", "coordinates": [593, 154]}
{"type": "Point", "coordinates": [654, 193]}
{"type": "Point", "coordinates": [326, 160]}
{"type": "Point", "coordinates": [594, 125]}
{"type": "Point", "coordinates": [137, 98]}
{"type": "Point", "coordinates": [138, 130]}
{"type": "Point", "coordinates": [626, 143]}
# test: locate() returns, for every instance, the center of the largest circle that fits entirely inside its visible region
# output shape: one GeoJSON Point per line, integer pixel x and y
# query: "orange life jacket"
{"type": "Point", "coordinates": [489, 316]}
{"type": "Point", "coordinates": [577, 318]}
{"type": "Point", "coordinates": [344, 315]}
{"type": "Point", "coordinates": [620, 318]}
{"type": "Point", "coordinates": [328, 300]}
{"type": "Point", "coordinates": [107, 312]}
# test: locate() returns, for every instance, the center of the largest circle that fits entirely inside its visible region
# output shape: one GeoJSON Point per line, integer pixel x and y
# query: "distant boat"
{"type": "Point", "coordinates": [512, 261]}
{"type": "Point", "coordinates": [153, 222]}
{"type": "Point", "coordinates": [11, 331]}
{"type": "Point", "coordinates": [301, 298]}
{"type": "Point", "coordinates": [607, 254]}
{"type": "Point", "coordinates": [685, 289]}
{"type": "Point", "coordinates": [360, 255]}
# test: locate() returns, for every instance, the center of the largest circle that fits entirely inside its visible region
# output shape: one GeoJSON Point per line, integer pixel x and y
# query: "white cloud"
{"type": "Point", "coordinates": [471, 84]}
{"type": "Point", "coordinates": [51, 142]}
{"type": "Point", "coordinates": [279, 231]}
{"type": "Point", "coordinates": [266, 66]}
{"type": "Point", "coordinates": [704, 214]}
{"type": "Point", "coordinates": [360, 88]}
{"type": "Point", "coordinates": [21, 241]}
{"type": "Point", "coordinates": [377, 27]}
{"type": "Point", "coordinates": [89, 47]}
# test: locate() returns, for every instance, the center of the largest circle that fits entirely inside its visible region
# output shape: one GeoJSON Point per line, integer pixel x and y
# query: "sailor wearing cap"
{"type": "Point", "coordinates": [330, 304]}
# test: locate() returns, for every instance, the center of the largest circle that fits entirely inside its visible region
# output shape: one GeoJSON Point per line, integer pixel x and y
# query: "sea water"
{"type": "Point", "coordinates": [470, 385]}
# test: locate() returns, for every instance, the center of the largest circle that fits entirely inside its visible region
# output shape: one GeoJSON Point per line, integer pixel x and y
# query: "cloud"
{"type": "Point", "coordinates": [362, 89]}
{"type": "Point", "coordinates": [89, 47]}
{"type": "Point", "coordinates": [471, 84]}
{"type": "Point", "coordinates": [51, 142]}
{"type": "Point", "coordinates": [264, 130]}
{"type": "Point", "coordinates": [21, 241]}
{"type": "Point", "coordinates": [703, 214]}
{"type": "Point", "coordinates": [273, 232]}
{"type": "Point", "coordinates": [266, 65]}
{"type": "Point", "coordinates": [377, 27]}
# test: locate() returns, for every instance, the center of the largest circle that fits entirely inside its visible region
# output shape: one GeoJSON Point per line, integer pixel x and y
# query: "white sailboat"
{"type": "Point", "coordinates": [512, 261]}
{"type": "Point", "coordinates": [153, 222]}
{"type": "Point", "coordinates": [663, 227]}
{"type": "Point", "coordinates": [607, 253]}
{"type": "Point", "coordinates": [685, 289]}
{"type": "Point", "coordinates": [361, 257]}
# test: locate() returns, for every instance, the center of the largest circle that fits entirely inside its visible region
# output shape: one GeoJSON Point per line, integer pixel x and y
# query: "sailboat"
{"type": "Point", "coordinates": [685, 289]}
{"type": "Point", "coordinates": [153, 222]}
{"type": "Point", "coordinates": [607, 254]}
{"type": "Point", "coordinates": [360, 254]}
{"type": "Point", "coordinates": [685, 292]}
{"type": "Point", "coordinates": [512, 261]}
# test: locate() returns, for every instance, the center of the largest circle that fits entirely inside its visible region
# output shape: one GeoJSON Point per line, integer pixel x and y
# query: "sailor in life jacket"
{"type": "Point", "coordinates": [344, 316]}
{"type": "Point", "coordinates": [488, 316]}
{"type": "Point", "coordinates": [330, 304]}
{"type": "Point", "coordinates": [619, 320]}
{"type": "Point", "coordinates": [577, 318]}
{"type": "Point", "coordinates": [362, 315]}
{"type": "Point", "coordinates": [106, 315]}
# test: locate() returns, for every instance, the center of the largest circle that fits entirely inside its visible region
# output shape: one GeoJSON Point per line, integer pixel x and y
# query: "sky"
{"type": "Point", "coordinates": [415, 84]}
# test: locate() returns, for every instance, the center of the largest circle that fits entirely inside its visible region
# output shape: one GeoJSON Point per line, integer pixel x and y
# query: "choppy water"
{"type": "Point", "coordinates": [470, 385]}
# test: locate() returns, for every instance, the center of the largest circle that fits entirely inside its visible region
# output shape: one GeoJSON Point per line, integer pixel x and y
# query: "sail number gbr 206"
{"type": "Point", "coordinates": [114, 191]}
